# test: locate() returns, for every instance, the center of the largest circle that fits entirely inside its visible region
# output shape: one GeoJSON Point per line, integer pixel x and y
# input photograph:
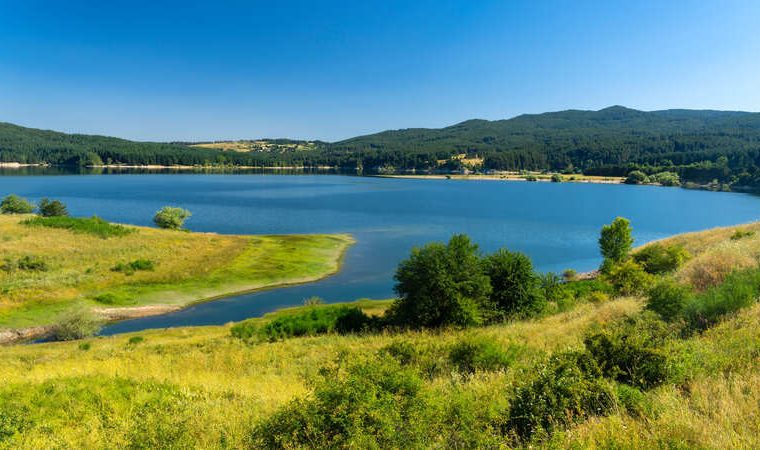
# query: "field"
{"type": "Point", "coordinates": [145, 270]}
{"type": "Point", "coordinates": [202, 387]}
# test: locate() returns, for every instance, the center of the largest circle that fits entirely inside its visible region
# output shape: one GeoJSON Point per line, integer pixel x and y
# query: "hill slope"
{"type": "Point", "coordinates": [201, 387]}
{"type": "Point", "coordinates": [700, 146]}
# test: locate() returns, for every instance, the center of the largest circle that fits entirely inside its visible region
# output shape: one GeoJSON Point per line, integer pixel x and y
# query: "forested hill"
{"type": "Point", "coordinates": [700, 146]}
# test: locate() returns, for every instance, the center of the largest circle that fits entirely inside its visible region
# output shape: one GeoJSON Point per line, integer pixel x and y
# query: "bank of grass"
{"type": "Point", "coordinates": [186, 267]}
{"type": "Point", "coordinates": [203, 387]}
{"type": "Point", "coordinates": [200, 387]}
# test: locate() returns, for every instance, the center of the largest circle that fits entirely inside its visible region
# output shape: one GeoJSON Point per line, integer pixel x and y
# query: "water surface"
{"type": "Point", "coordinates": [556, 224]}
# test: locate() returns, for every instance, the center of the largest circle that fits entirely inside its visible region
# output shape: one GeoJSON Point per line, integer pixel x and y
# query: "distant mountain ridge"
{"type": "Point", "coordinates": [699, 145]}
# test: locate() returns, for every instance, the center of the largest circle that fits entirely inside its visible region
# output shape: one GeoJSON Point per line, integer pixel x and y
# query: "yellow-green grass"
{"type": "Point", "coordinates": [91, 398]}
{"type": "Point", "coordinates": [105, 395]}
{"type": "Point", "coordinates": [211, 388]}
{"type": "Point", "coordinates": [715, 254]}
{"type": "Point", "coordinates": [189, 267]}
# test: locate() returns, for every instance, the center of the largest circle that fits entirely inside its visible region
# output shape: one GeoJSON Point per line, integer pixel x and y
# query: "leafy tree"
{"type": "Point", "coordinates": [441, 285]}
{"type": "Point", "coordinates": [171, 218]}
{"type": "Point", "coordinates": [515, 285]}
{"type": "Point", "coordinates": [615, 241]}
{"type": "Point", "coordinates": [13, 204]}
{"type": "Point", "coordinates": [52, 208]}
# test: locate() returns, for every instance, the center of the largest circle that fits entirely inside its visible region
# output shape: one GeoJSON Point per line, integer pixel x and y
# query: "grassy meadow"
{"type": "Point", "coordinates": [125, 270]}
{"type": "Point", "coordinates": [201, 387]}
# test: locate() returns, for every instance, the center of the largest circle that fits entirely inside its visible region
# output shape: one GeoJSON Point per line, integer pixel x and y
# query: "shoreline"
{"type": "Point", "coordinates": [110, 315]}
{"type": "Point", "coordinates": [545, 178]}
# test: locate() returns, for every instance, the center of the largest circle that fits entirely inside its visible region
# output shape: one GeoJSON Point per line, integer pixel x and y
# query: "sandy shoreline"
{"type": "Point", "coordinates": [513, 177]}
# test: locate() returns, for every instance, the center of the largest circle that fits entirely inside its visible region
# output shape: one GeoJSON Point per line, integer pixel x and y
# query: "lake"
{"type": "Point", "coordinates": [556, 224]}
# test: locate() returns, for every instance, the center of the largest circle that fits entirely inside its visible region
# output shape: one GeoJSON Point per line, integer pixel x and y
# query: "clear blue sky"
{"type": "Point", "coordinates": [161, 70]}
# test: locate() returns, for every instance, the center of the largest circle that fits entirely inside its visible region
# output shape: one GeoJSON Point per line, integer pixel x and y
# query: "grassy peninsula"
{"type": "Point", "coordinates": [688, 384]}
{"type": "Point", "coordinates": [56, 264]}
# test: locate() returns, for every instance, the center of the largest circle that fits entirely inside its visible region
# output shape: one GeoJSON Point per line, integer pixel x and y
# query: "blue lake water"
{"type": "Point", "coordinates": [556, 224]}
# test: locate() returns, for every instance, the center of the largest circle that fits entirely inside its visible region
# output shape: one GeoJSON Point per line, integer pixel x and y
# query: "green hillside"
{"type": "Point", "coordinates": [699, 146]}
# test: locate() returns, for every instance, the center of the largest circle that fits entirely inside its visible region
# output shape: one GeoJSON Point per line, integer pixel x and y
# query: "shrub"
{"type": "Point", "coordinates": [627, 352]}
{"type": "Point", "coordinates": [441, 285]}
{"type": "Point", "coordinates": [659, 259]}
{"type": "Point", "coordinates": [134, 340]}
{"type": "Point", "coordinates": [666, 179]}
{"type": "Point", "coordinates": [92, 225]}
{"type": "Point", "coordinates": [515, 286]}
{"type": "Point", "coordinates": [738, 291]}
{"type": "Point", "coordinates": [570, 274]}
{"type": "Point", "coordinates": [615, 240]}
{"type": "Point", "coordinates": [637, 177]}
{"type": "Point", "coordinates": [633, 401]}
{"type": "Point", "coordinates": [556, 178]}
{"type": "Point", "coordinates": [668, 298]}
{"type": "Point", "coordinates": [566, 389]}
{"type": "Point", "coordinates": [134, 266]}
{"type": "Point", "coordinates": [552, 287]}
{"type": "Point", "coordinates": [479, 354]}
{"type": "Point", "coordinates": [84, 346]}
{"type": "Point", "coordinates": [404, 352]}
{"type": "Point", "coordinates": [628, 278]}
{"type": "Point", "coordinates": [170, 217]}
{"type": "Point", "coordinates": [29, 263]}
{"type": "Point", "coordinates": [367, 404]}
{"type": "Point", "coordinates": [76, 324]}
{"type": "Point", "coordinates": [52, 208]}
{"type": "Point", "coordinates": [15, 418]}
{"type": "Point", "coordinates": [741, 234]}
{"type": "Point", "coordinates": [13, 204]}
{"type": "Point", "coordinates": [317, 320]}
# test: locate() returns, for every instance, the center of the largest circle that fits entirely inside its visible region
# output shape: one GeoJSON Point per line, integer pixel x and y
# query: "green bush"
{"type": "Point", "coordinates": [739, 290]}
{"type": "Point", "coordinates": [637, 177]}
{"type": "Point", "coordinates": [556, 178]}
{"type": "Point", "coordinates": [629, 351]}
{"type": "Point", "coordinates": [76, 324]}
{"type": "Point", "coordinates": [741, 234]}
{"type": "Point", "coordinates": [312, 322]}
{"type": "Point", "coordinates": [170, 217]}
{"type": "Point", "coordinates": [14, 419]}
{"type": "Point", "coordinates": [134, 340]}
{"type": "Point", "coordinates": [480, 354]}
{"type": "Point", "coordinates": [13, 204]}
{"type": "Point", "coordinates": [52, 208]}
{"type": "Point", "coordinates": [666, 179]}
{"type": "Point", "coordinates": [515, 285]}
{"type": "Point", "coordinates": [88, 225]}
{"type": "Point", "coordinates": [628, 278]}
{"type": "Point", "coordinates": [26, 263]}
{"type": "Point", "coordinates": [367, 404]}
{"type": "Point", "coordinates": [633, 401]}
{"type": "Point", "coordinates": [659, 259]}
{"type": "Point", "coordinates": [564, 390]}
{"type": "Point", "coordinates": [134, 266]}
{"type": "Point", "coordinates": [570, 274]}
{"type": "Point", "coordinates": [668, 299]}
{"type": "Point", "coordinates": [441, 285]}
{"type": "Point", "coordinates": [404, 352]}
